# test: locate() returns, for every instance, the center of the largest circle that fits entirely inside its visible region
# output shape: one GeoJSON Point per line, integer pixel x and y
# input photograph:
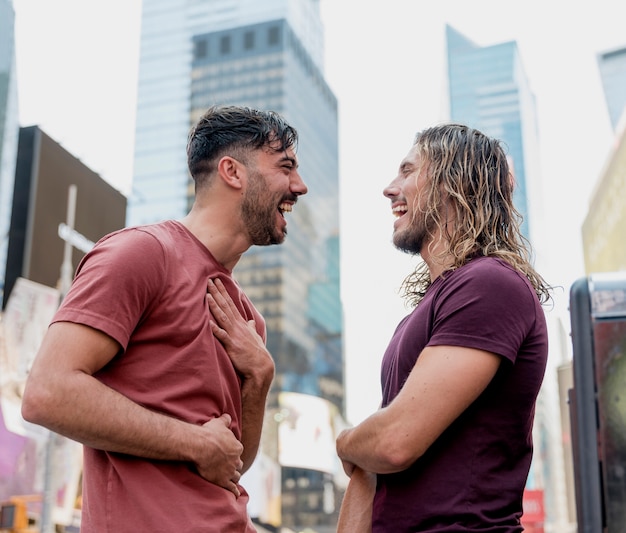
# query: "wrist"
{"type": "Point", "coordinates": [261, 375]}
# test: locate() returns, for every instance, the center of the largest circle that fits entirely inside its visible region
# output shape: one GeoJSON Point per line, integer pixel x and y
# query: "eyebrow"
{"type": "Point", "coordinates": [406, 165]}
{"type": "Point", "coordinates": [291, 160]}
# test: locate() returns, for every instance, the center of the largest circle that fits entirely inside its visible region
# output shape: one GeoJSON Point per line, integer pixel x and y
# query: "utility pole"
{"type": "Point", "coordinates": [47, 523]}
{"type": "Point", "coordinates": [67, 269]}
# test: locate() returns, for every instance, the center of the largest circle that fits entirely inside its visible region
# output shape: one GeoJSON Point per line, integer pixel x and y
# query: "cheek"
{"type": "Point", "coordinates": [415, 201]}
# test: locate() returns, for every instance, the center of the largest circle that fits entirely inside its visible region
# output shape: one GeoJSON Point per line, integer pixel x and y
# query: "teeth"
{"type": "Point", "coordinates": [399, 210]}
{"type": "Point", "coordinates": [285, 208]}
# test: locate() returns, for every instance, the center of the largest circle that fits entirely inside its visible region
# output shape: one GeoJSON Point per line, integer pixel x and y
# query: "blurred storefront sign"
{"type": "Point", "coordinates": [534, 513]}
{"type": "Point", "coordinates": [28, 313]}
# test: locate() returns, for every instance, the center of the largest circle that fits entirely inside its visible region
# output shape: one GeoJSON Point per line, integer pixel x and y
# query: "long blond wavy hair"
{"type": "Point", "coordinates": [470, 170]}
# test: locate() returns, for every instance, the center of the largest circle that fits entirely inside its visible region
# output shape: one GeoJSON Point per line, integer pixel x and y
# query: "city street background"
{"type": "Point", "coordinates": [385, 61]}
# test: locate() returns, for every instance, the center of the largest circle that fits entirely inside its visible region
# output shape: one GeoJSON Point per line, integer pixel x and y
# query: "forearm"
{"type": "Point", "coordinates": [253, 396]}
{"type": "Point", "coordinates": [80, 407]}
{"type": "Point", "coordinates": [355, 515]}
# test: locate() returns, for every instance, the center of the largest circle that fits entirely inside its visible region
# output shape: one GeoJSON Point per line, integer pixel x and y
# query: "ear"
{"type": "Point", "coordinates": [231, 171]}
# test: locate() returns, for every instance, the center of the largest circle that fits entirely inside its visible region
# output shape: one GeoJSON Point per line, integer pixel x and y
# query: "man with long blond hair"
{"type": "Point", "coordinates": [451, 446]}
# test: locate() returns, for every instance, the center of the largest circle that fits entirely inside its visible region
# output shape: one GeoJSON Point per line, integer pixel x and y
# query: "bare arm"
{"type": "Point", "coordinates": [62, 395]}
{"type": "Point", "coordinates": [355, 515]}
{"type": "Point", "coordinates": [443, 383]}
{"type": "Point", "coordinates": [251, 359]}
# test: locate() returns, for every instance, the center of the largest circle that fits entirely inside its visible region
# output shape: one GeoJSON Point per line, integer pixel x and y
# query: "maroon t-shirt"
{"type": "Point", "coordinates": [472, 478]}
{"type": "Point", "coordinates": [146, 288]}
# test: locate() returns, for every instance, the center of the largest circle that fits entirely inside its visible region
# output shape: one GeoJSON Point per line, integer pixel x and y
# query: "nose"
{"type": "Point", "coordinates": [298, 187]}
{"type": "Point", "coordinates": [392, 190]}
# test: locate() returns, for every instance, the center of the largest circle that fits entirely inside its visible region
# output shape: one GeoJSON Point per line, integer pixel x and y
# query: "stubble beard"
{"type": "Point", "coordinates": [258, 211]}
{"type": "Point", "coordinates": [411, 239]}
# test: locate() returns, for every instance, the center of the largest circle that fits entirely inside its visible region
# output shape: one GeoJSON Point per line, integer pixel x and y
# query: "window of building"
{"type": "Point", "coordinates": [200, 49]}
{"type": "Point", "coordinates": [248, 40]}
{"type": "Point", "coordinates": [273, 35]}
{"type": "Point", "coordinates": [225, 45]}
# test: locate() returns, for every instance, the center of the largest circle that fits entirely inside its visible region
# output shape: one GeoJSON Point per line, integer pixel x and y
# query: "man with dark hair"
{"type": "Point", "coordinates": [451, 446]}
{"type": "Point", "coordinates": [156, 359]}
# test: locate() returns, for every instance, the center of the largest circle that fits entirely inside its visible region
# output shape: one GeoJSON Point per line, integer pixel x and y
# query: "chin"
{"type": "Point", "coordinates": [278, 238]}
{"type": "Point", "coordinates": [409, 246]}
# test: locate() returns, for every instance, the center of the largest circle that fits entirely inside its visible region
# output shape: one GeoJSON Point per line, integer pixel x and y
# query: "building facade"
{"type": "Point", "coordinates": [269, 56]}
{"type": "Point", "coordinates": [9, 126]}
{"type": "Point", "coordinates": [605, 224]}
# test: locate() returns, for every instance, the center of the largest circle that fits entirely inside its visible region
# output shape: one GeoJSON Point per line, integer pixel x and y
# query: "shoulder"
{"type": "Point", "coordinates": [135, 242]}
{"type": "Point", "coordinates": [133, 253]}
{"type": "Point", "coordinates": [490, 274]}
{"type": "Point", "coordinates": [486, 304]}
{"type": "Point", "coordinates": [148, 235]}
{"type": "Point", "coordinates": [133, 262]}
{"type": "Point", "coordinates": [487, 283]}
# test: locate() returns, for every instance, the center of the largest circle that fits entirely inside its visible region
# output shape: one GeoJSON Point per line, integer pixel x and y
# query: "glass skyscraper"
{"type": "Point", "coordinates": [612, 65]}
{"type": "Point", "coordinates": [9, 127]}
{"type": "Point", "coordinates": [489, 91]}
{"type": "Point", "coordinates": [265, 55]}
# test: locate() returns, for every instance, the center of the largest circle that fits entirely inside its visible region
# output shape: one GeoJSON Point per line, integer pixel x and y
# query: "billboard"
{"type": "Point", "coordinates": [45, 173]}
{"type": "Point", "coordinates": [306, 432]}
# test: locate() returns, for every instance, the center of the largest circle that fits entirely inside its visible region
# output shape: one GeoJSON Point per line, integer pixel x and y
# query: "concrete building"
{"type": "Point", "coordinates": [605, 224]}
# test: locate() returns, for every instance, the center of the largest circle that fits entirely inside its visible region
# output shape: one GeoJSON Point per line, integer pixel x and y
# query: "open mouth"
{"type": "Point", "coordinates": [285, 208]}
{"type": "Point", "coordinates": [399, 210]}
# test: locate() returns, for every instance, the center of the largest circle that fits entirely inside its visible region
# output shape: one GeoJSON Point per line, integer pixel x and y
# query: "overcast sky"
{"type": "Point", "coordinates": [77, 75]}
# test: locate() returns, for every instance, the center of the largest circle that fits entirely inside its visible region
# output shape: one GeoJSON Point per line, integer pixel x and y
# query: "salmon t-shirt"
{"type": "Point", "coordinates": [146, 288]}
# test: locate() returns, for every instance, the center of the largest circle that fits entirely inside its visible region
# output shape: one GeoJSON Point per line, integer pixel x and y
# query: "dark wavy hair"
{"type": "Point", "coordinates": [235, 131]}
{"type": "Point", "coordinates": [471, 171]}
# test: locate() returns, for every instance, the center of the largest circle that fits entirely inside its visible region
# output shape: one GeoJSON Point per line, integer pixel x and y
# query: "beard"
{"type": "Point", "coordinates": [259, 211]}
{"type": "Point", "coordinates": [411, 239]}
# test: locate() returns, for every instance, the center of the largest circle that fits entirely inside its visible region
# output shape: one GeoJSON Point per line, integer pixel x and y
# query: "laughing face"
{"type": "Point", "coordinates": [408, 192]}
{"type": "Point", "coordinates": [274, 185]}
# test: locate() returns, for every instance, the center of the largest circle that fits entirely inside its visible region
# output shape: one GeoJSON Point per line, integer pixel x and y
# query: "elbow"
{"type": "Point", "coordinates": [35, 405]}
{"type": "Point", "coordinates": [29, 411]}
{"type": "Point", "coordinates": [397, 456]}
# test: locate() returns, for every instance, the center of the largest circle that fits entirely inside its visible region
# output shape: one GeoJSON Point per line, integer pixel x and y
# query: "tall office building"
{"type": "Point", "coordinates": [612, 66]}
{"type": "Point", "coordinates": [9, 126]}
{"type": "Point", "coordinates": [488, 90]}
{"type": "Point", "coordinates": [267, 55]}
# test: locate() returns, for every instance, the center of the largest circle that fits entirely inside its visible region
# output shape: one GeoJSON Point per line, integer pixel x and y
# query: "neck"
{"type": "Point", "coordinates": [436, 261]}
{"type": "Point", "coordinates": [217, 232]}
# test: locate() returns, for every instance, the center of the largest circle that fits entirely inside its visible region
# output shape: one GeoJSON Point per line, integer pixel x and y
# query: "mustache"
{"type": "Point", "coordinates": [290, 198]}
